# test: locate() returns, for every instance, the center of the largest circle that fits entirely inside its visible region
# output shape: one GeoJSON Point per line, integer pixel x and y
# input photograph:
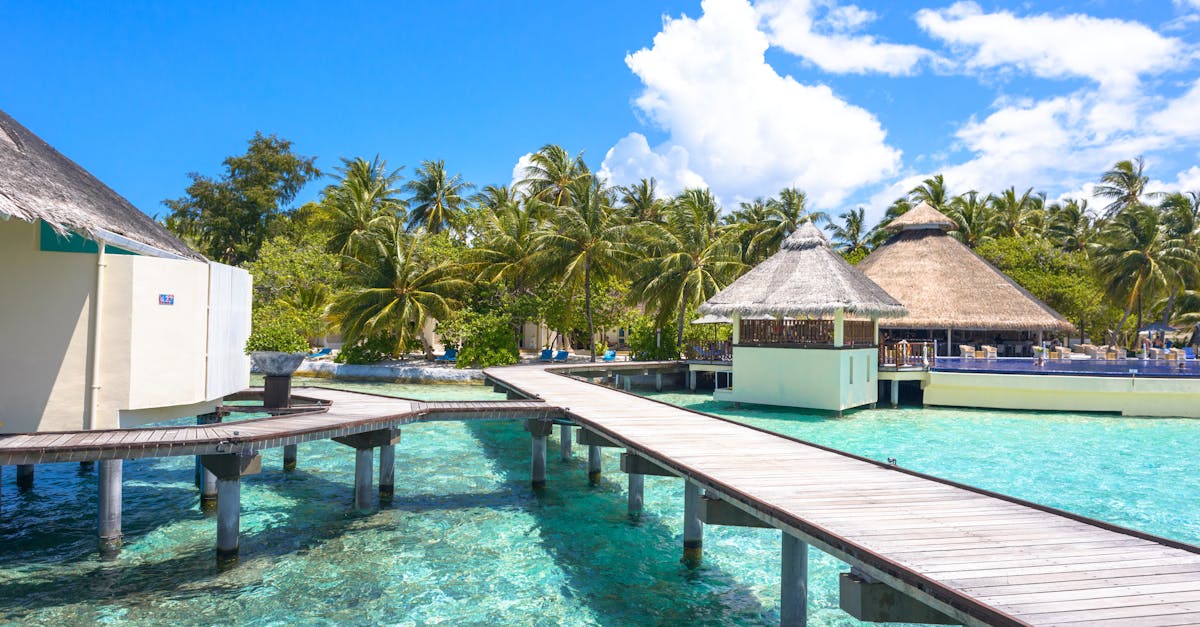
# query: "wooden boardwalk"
{"type": "Point", "coordinates": [979, 557]}
{"type": "Point", "coordinates": [323, 414]}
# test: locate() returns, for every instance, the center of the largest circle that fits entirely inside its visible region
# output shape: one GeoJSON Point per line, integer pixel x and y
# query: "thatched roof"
{"type": "Point", "coordinates": [945, 285]}
{"type": "Point", "coordinates": [39, 183]}
{"type": "Point", "coordinates": [806, 278]}
{"type": "Point", "coordinates": [923, 216]}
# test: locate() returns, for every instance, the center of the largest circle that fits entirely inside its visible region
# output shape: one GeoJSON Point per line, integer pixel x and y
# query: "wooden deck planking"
{"type": "Point", "coordinates": [981, 552]}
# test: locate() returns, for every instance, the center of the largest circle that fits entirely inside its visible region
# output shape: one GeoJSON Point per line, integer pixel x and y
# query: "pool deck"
{"type": "Point", "coordinates": [977, 556]}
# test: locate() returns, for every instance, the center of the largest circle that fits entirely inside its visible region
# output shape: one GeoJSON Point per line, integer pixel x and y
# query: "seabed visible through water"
{"type": "Point", "coordinates": [465, 541]}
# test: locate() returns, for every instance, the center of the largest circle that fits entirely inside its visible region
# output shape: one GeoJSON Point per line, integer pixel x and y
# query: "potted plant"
{"type": "Point", "coordinates": [276, 349]}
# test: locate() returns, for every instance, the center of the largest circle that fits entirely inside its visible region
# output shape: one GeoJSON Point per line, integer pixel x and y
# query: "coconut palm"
{"type": "Point", "coordinates": [437, 196]}
{"type": "Point", "coordinates": [972, 214]}
{"type": "Point", "coordinates": [1070, 225]}
{"type": "Point", "coordinates": [1181, 219]}
{"type": "Point", "coordinates": [640, 201]}
{"type": "Point", "coordinates": [505, 247]}
{"type": "Point", "coordinates": [582, 242]}
{"type": "Point", "coordinates": [1013, 215]}
{"type": "Point", "coordinates": [687, 258]}
{"type": "Point", "coordinates": [394, 293]}
{"type": "Point", "coordinates": [932, 191]}
{"type": "Point", "coordinates": [785, 214]}
{"type": "Point", "coordinates": [1125, 185]}
{"type": "Point", "coordinates": [850, 237]}
{"type": "Point", "coordinates": [752, 217]}
{"type": "Point", "coordinates": [361, 204]}
{"type": "Point", "coordinates": [552, 173]}
{"type": "Point", "coordinates": [880, 233]}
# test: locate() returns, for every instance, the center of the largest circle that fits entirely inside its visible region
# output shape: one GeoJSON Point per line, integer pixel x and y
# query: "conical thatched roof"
{"type": "Point", "coordinates": [923, 216]}
{"type": "Point", "coordinates": [39, 183]}
{"type": "Point", "coordinates": [945, 285]}
{"type": "Point", "coordinates": [806, 278]}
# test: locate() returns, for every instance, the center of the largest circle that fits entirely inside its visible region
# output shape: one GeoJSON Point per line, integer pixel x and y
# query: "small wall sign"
{"type": "Point", "coordinates": [166, 299]}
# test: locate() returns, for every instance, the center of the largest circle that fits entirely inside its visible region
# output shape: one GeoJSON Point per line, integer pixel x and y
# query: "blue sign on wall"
{"type": "Point", "coordinates": [166, 299]}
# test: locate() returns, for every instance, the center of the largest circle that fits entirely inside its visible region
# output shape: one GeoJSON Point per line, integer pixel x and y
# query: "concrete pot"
{"type": "Point", "coordinates": [276, 364]}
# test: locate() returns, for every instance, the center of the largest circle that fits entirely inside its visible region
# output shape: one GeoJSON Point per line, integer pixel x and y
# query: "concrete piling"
{"type": "Point", "coordinates": [25, 476]}
{"type": "Point", "coordinates": [564, 442]}
{"type": "Point", "coordinates": [538, 470]}
{"type": "Point", "coordinates": [364, 470]}
{"type": "Point", "coordinates": [109, 499]}
{"type": "Point", "coordinates": [693, 528]}
{"type": "Point", "coordinates": [229, 519]}
{"type": "Point", "coordinates": [594, 465]}
{"type": "Point", "coordinates": [289, 457]}
{"type": "Point", "coordinates": [387, 472]}
{"type": "Point", "coordinates": [636, 491]}
{"type": "Point", "coordinates": [793, 582]}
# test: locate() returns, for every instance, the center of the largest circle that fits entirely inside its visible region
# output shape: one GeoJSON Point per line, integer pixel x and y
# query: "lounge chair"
{"type": "Point", "coordinates": [989, 352]}
{"type": "Point", "coordinates": [324, 352]}
{"type": "Point", "coordinates": [451, 354]}
{"type": "Point", "coordinates": [561, 355]}
{"type": "Point", "coordinates": [547, 355]}
{"type": "Point", "coordinates": [967, 351]}
{"type": "Point", "coordinates": [609, 355]}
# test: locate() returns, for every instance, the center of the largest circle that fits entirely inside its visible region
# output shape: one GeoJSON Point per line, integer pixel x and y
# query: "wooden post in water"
{"type": "Point", "coordinates": [387, 472]}
{"type": "Point", "coordinates": [86, 467]}
{"type": "Point", "coordinates": [109, 500]}
{"type": "Point", "coordinates": [25, 476]}
{"type": "Point", "coordinates": [364, 471]}
{"type": "Point", "coordinates": [290, 453]}
{"type": "Point", "coordinates": [564, 442]}
{"type": "Point", "coordinates": [538, 467]}
{"type": "Point", "coordinates": [594, 465]}
{"type": "Point", "coordinates": [637, 485]}
{"type": "Point", "coordinates": [793, 582]}
{"type": "Point", "coordinates": [693, 528]}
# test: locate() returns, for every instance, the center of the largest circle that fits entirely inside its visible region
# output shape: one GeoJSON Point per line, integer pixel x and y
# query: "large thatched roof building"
{"type": "Point", "coordinates": [806, 278]}
{"type": "Point", "coordinates": [38, 183]}
{"type": "Point", "coordinates": [946, 286]}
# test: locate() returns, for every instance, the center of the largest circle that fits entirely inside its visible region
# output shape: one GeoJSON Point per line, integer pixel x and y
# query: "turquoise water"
{"type": "Point", "coordinates": [465, 541]}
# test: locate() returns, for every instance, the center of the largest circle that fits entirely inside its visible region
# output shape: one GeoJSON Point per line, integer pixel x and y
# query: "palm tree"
{"type": "Point", "coordinates": [850, 237]}
{"type": "Point", "coordinates": [880, 233]}
{"type": "Point", "coordinates": [687, 259]}
{"type": "Point", "coordinates": [973, 216]}
{"type": "Point", "coordinates": [932, 191]}
{"type": "Point", "coordinates": [1181, 219]}
{"type": "Point", "coordinates": [552, 173]}
{"type": "Point", "coordinates": [394, 293]}
{"type": "Point", "coordinates": [361, 204]}
{"type": "Point", "coordinates": [438, 197]}
{"type": "Point", "coordinates": [640, 201]}
{"type": "Point", "coordinates": [1013, 215]}
{"type": "Point", "coordinates": [583, 241]}
{"type": "Point", "coordinates": [752, 217]}
{"type": "Point", "coordinates": [784, 215]}
{"type": "Point", "coordinates": [505, 246]}
{"type": "Point", "coordinates": [1070, 225]}
{"type": "Point", "coordinates": [1136, 257]}
{"type": "Point", "coordinates": [1125, 185]}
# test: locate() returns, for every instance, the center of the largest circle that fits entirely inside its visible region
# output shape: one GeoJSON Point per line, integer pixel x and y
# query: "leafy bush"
{"type": "Point", "coordinates": [645, 343]}
{"type": "Point", "coordinates": [275, 334]}
{"type": "Point", "coordinates": [369, 351]}
{"type": "Point", "coordinates": [483, 339]}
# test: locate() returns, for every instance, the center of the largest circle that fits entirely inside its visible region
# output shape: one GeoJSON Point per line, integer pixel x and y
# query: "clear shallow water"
{"type": "Point", "coordinates": [465, 542]}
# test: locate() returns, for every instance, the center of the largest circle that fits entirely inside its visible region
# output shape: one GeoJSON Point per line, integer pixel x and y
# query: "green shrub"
{"type": "Point", "coordinates": [648, 342]}
{"type": "Point", "coordinates": [482, 339]}
{"type": "Point", "coordinates": [369, 351]}
{"type": "Point", "coordinates": [275, 334]}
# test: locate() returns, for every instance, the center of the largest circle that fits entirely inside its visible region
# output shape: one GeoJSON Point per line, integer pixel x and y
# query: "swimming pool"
{"type": "Point", "coordinates": [466, 542]}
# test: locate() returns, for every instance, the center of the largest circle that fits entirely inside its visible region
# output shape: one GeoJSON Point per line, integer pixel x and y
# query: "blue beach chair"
{"type": "Point", "coordinates": [609, 355]}
{"type": "Point", "coordinates": [324, 352]}
{"type": "Point", "coordinates": [547, 355]}
{"type": "Point", "coordinates": [451, 354]}
{"type": "Point", "coordinates": [561, 356]}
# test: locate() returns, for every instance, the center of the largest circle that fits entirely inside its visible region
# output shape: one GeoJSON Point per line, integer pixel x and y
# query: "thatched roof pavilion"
{"type": "Point", "coordinates": [805, 279]}
{"type": "Point", "coordinates": [945, 285]}
{"type": "Point", "coordinates": [39, 183]}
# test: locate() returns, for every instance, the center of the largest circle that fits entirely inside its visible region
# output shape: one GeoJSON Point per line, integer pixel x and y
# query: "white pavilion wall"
{"type": "Point", "coordinates": [826, 379]}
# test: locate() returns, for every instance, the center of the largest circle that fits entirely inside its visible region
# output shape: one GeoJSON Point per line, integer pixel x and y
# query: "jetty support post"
{"type": "Point", "coordinates": [564, 442]}
{"type": "Point", "coordinates": [387, 471]}
{"type": "Point", "coordinates": [637, 486]}
{"type": "Point", "coordinates": [109, 501]}
{"type": "Point", "coordinates": [627, 380]}
{"type": "Point", "coordinates": [691, 376]}
{"type": "Point", "coordinates": [538, 430]}
{"type": "Point", "coordinates": [205, 419]}
{"type": "Point", "coordinates": [594, 441]}
{"type": "Point", "coordinates": [894, 397]}
{"type": "Point", "coordinates": [637, 467]}
{"type": "Point", "coordinates": [25, 476]}
{"type": "Point", "coordinates": [658, 381]}
{"type": "Point", "coordinates": [869, 600]}
{"type": "Point", "coordinates": [364, 460]}
{"type": "Point", "coordinates": [793, 582]}
{"type": "Point", "coordinates": [229, 468]}
{"type": "Point", "coordinates": [290, 453]}
{"type": "Point", "coordinates": [693, 527]}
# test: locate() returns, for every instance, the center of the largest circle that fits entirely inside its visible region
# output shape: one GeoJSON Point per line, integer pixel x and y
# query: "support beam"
{"type": "Point", "coordinates": [594, 465]}
{"type": "Point", "coordinates": [109, 501]}
{"type": "Point", "coordinates": [637, 485]}
{"type": "Point", "coordinates": [693, 527]}
{"type": "Point", "coordinates": [538, 462]}
{"type": "Point", "coordinates": [564, 442]}
{"type": "Point", "coordinates": [635, 464]}
{"type": "Point", "coordinates": [715, 511]}
{"type": "Point", "coordinates": [873, 601]}
{"type": "Point", "coordinates": [588, 437]}
{"type": "Point", "coordinates": [229, 469]}
{"type": "Point", "coordinates": [793, 583]}
{"type": "Point", "coordinates": [25, 476]}
{"type": "Point", "coordinates": [289, 457]}
{"type": "Point", "coordinates": [364, 470]}
{"type": "Point", "coordinates": [370, 439]}
{"type": "Point", "coordinates": [387, 472]}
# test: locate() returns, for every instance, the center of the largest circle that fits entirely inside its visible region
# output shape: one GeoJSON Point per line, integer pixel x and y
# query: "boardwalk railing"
{"type": "Point", "coordinates": [715, 350]}
{"type": "Point", "coordinates": [805, 333]}
{"type": "Point", "coordinates": [906, 354]}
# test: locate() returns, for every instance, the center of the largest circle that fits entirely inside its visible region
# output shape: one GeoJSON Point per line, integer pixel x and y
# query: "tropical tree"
{"type": "Point", "coordinates": [394, 292]}
{"type": "Point", "coordinates": [850, 237]}
{"type": "Point", "coordinates": [784, 215]}
{"type": "Point", "coordinates": [437, 197]}
{"type": "Point", "coordinates": [1013, 215]}
{"type": "Point", "coordinates": [880, 233]}
{"type": "Point", "coordinates": [1181, 219]}
{"type": "Point", "coordinates": [932, 191]}
{"type": "Point", "coordinates": [972, 213]}
{"type": "Point", "coordinates": [640, 201]}
{"type": "Point", "coordinates": [752, 217]}
{"type": "Point", "coordinates": [361, 204]}
{"type": "Point", "coordinates": [551, 175]}
{"type": "Point", "coordinates": [582, 242]}
{"type": "Point", "coordinates": [685, 260]}
{"type": "Point", "coordinates": [1125, 185]}
{"type": "Point", "coordinates": [505, 247]}
{"type": "Point", "coordinates": [1069, 225]}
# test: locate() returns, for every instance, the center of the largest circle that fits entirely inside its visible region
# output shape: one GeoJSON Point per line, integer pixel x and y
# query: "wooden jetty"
{"type": "Point", "coordinates": [921, 549]}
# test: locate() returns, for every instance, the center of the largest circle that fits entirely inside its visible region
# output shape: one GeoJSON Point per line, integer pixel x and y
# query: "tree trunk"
{"type": "Point", "coordinates": [679, 331]}
{"type": "Point", "coordinates": [1137, 331]}
{"type": "Point", "coordinates": [587, 306]}
{"type": "Point", "coordinates": [1166, 319]}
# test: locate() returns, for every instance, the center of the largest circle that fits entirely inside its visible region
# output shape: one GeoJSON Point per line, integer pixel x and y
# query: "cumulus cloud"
{"type": "Point", "coordinates": [737, 124]}
{"type": "Point", "coordinates": [632, 159]}
{"type": "Point", "coordinates": [1182, 115]}
{"type": "Point", "coordinates": [829, 36]}
{"type": "Point", "coordinates": [1111, 52]}
{"type": "Point", "coordinates": [518, 172]}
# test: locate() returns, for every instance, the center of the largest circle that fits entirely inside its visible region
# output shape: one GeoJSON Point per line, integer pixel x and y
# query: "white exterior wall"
{"type": "Point", "coordinates": [827, 379]}
{"type": "Point", "coordinates": [1130, 396]}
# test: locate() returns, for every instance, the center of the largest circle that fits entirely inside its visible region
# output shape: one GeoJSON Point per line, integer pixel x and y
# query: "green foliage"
{"type": "Point", "coordinates": [648, 342]}
{"type": "Point", "coordinates": [284, 267]}
{"type": "Point", "coordinates": [272, 333]}
{"type": "Point", "coordinates": [229, 217]}
{"type": "Point", "coordinates": [372, 350]}
{"type": "Point", "coordinates": [483, 339]}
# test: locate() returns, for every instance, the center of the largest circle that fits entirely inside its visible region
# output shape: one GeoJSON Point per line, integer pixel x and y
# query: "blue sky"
{"type": "Point", "coordinates": [852, 102]}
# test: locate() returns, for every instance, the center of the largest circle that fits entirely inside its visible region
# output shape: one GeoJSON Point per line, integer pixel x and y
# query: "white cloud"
{"type": "Point", "coordinates": [518, 173]}
{"type": "Point", "coordinates": [743, 128]}
{"type": "Point", "coordinates": [1182, 115]}
{"type": "Point", "coordinates": [828, 35]}
{"type": "Point", "coordinates": [1114, 53]}
{"type": "Point", "coordinates": [632, 159]}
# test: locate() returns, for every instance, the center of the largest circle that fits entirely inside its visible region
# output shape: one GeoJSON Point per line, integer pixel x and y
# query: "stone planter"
{"type": "Point", "coordinates": [276, 364]}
